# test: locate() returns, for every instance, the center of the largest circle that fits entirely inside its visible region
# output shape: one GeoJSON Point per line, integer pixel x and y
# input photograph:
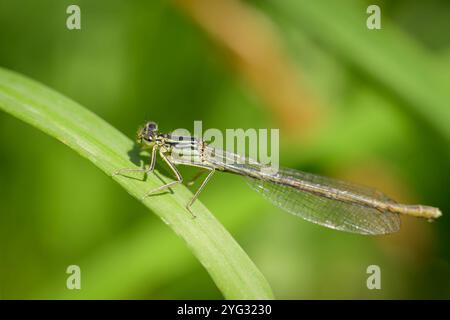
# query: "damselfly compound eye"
{"type": "Point", "coordinates": [151, 126]}
{"type": "Point", "coordinates": [148, 132]}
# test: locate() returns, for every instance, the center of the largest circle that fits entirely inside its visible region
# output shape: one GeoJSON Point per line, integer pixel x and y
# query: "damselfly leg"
{"type": "Point", "coordinates": [197, 193]}
{"type": "Point", "coordinates": [145, 170]}
{"type": "Point", "coordinates": [167, 185]}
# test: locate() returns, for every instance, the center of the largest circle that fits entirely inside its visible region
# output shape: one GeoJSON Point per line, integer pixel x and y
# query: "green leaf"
{"type": "Point", "coordinates": [229, 266]}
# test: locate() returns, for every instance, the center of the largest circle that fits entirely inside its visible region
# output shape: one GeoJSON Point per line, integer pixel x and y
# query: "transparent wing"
{"type": "Point", "coordinates": [327, 212]}
{"type": "Point", "coordinates": [334, 183]}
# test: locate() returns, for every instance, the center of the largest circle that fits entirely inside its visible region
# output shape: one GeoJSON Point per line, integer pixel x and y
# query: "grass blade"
{"type": "Point", "coordinates": [229, 266]}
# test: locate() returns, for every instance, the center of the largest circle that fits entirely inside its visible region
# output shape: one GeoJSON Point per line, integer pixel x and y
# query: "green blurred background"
{"type": "Point", "coordinates": [370, 106]}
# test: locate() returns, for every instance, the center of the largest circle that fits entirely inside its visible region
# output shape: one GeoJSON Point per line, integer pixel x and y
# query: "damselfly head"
{"type": "Point", "coordinates": [148, 132]}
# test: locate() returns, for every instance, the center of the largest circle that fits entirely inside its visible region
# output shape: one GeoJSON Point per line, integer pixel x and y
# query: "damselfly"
{"type": "Point", "coordinates": [328, 202]}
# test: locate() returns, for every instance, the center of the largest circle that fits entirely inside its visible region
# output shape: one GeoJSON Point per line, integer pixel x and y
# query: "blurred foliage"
{"type": "Point", "coordinates": [381, 117]}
